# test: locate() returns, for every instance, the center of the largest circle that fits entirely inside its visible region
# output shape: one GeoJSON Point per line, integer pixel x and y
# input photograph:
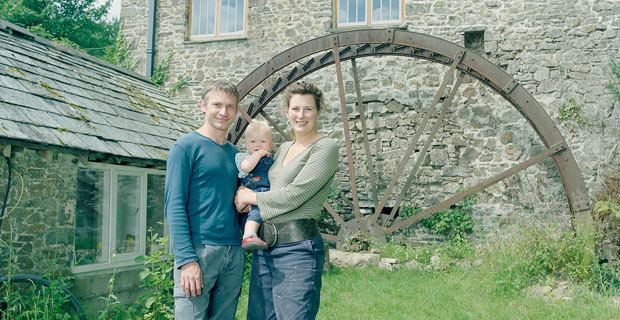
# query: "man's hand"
{"type": "Point", "coordinates": [191, 279]}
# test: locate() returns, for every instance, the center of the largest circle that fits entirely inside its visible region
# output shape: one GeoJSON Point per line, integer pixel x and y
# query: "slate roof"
{"type": "Point", "coordinates": [58, 96]}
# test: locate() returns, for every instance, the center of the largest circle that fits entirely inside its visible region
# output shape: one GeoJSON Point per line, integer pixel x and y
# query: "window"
{"type": "Point", "coordinates": [217, 18]}
{"type": "Point", "coordinates": [368, 12]}
{"type": "Point", "coordinates": [115, 207]}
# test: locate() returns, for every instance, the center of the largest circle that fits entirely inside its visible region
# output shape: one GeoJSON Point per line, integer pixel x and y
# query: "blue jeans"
{"type": "Point", "coordinates": [286, 281]}
{"type": "Point", "coordinates": [222, 274]}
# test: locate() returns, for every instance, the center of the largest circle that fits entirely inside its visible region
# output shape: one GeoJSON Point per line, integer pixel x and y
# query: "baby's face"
{"type": "Point", "coordinates": [256, 140]}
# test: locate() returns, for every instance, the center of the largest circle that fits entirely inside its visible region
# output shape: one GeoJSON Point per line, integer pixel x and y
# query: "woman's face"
{"type": "Point", "coordinates": [302, 114]}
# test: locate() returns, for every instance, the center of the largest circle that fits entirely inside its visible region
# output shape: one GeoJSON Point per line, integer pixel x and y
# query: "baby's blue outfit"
{"type": "Point", "coordinates": [256, 180]}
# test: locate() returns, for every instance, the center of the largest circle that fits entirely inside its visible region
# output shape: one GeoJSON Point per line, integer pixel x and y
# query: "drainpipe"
{"type": "Point", "coordinates": [150, 41]}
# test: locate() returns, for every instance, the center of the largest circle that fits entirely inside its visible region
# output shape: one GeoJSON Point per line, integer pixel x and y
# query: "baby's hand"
{"type": "Point", "coordinates": [262, 152]}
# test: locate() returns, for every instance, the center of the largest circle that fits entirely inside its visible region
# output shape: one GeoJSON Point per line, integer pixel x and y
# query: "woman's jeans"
{"type": "Point", "coordinates": [286, 281]}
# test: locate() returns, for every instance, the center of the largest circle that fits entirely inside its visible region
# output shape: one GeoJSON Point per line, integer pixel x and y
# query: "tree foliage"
{"type": "Point", "coordinates": [78, 23]}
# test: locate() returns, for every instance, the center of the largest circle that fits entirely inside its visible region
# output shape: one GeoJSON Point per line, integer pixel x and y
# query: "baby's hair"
{"type": "Point", "coordinates": [257, 125]}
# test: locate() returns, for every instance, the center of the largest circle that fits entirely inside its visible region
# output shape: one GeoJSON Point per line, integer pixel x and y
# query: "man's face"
{"type": "Point", "coordinates": [220, 109]}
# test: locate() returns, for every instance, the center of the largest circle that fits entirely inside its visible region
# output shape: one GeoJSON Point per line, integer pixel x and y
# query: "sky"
{"type": "Point", "coordinates": [115, 8]}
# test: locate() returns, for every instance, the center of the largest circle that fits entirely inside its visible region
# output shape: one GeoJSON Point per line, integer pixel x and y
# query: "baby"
{"type": "Point", "coordinates": [253, 168]}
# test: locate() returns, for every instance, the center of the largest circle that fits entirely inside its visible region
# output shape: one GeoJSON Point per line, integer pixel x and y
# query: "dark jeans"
{"type": "Point", "coordinates": [286, 281]}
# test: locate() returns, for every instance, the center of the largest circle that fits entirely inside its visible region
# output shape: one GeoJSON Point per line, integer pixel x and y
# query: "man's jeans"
{"type": "Point", "coordinates": [286, 281]}
{"type": "Point", "coordinates": [222, 274]}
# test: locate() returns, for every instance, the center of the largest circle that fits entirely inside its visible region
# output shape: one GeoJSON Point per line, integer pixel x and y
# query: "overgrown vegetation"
{"type": "Point", "coordinates": [454, 223]}
{"type": "Point", "coordinates": [571, 112]}
{"type": "Point", "coordinates": [614, 85]}
{"type": "Point", "coordinates": [77, 23]}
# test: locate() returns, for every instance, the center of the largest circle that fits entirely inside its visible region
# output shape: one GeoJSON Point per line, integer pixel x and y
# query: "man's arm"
{"type": "Point", "coordinates": [178, 170]}
{"type": "Point", "coordinates": [178, 176]}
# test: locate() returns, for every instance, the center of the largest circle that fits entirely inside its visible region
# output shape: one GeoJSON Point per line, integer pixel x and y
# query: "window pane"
{"type": "Point", "coordinates": [154, 209]}
{"type": "Point", "coordinates": [394, 10]}
{"type": "Point", "coordinates": [385, 10]}
{"type": "Point", "coordinates": [228, 15]}
{"type": "Point", "coordinates": [240, 15]}
{"type": "Point", "coordinates": [351, 11]}
{"type": "Point", "coordinates": [231, 16]}
{"type": "Point", "coordinates": [128, 214]}
{"type": "Point", "coordinates": [203, 17]}
{"type": "Point", "coordinates": [377, 10]}
{"type": "Point", "coordinates": [89, 216]}
{"type": "Point", "coordinates": [361, 11]}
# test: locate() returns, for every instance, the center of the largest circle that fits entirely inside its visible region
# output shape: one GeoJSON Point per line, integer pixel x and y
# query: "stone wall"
{"type": "Point", "coordinates": [37, 233]}
{"type": "Point", "coordinates": [559, 50]}
{"type": "Point", "coordinates": [38, 226]}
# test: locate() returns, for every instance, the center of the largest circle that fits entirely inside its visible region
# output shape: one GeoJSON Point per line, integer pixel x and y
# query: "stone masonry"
{"type": "Point", "coordinates": [560, 50]}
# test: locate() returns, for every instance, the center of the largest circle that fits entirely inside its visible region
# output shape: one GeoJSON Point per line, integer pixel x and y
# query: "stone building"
{"type": "Point", "coordinates": [83, 145]}
{"type": "Point", "coordinates": [559, 50]}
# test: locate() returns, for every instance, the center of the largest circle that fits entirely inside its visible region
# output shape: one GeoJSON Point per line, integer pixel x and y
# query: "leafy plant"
{"type": "Point", "coordinates": [571, 111]}
{"type": "Point", "coordinates": [120, 52]}
{"type": "Point", "coordinates": [157, 301]}
{"type": "Point", "coordinates": [161, 72]}
{"type": "Point", "coordinates": [455, 222]}
{"type": "Point", "coordinates": [614, 85]}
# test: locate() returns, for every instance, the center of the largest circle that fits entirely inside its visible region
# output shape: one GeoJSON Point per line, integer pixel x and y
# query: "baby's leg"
{"type": "Point", "coordinates": [250, 229]}
{"type": "Point", "coordinates": [251, 241]}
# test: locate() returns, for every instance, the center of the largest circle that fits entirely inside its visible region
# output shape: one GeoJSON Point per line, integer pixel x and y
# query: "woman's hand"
{"type": "Point", "coordinates": [244, 198]}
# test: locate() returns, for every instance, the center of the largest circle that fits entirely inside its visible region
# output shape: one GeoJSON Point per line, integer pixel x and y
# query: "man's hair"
{"type": "Point", "coordinates": [257, 125]}
{"type": "Point", "coordinates": [222, 86]}
{"type": "Point", "coordinates": [302, 87]}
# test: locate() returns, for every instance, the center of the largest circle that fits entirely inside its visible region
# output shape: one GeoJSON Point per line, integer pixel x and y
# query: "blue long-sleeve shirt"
{"type": "Point", "coordinates": [201, 181]}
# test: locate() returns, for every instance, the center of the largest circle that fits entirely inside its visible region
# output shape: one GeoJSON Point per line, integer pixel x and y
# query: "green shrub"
{"type": "Point", "coordinates": [454, 223]}
{"type": "Point", "coordinates": [529, 257]}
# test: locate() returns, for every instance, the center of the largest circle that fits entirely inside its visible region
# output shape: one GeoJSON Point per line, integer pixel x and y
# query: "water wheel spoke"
{"type": "Point", "coordinates": [447, 79]}
{"type": "Point", "coordinates": [274, 124]}
{"type": "Point", "coordinates": [332, 212]}
{"type": "Point", "coordinates": [362, 112]}
{"type": "Point", "coordinates": [345, 125]}
{"type": "Point", "coordinates": [476, 188]}
{"type": "Point", "coordinates": [431, 137]}
{"type": "Point", "coordinates": [329, 237]}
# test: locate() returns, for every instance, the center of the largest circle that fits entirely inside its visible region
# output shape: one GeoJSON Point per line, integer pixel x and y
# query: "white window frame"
{"type": "Point", "coordinates": [110, 259]}
{"type": "Point", "coordinates": [368, 19]}
{"type": "Point", "coordinates": [218, 35]}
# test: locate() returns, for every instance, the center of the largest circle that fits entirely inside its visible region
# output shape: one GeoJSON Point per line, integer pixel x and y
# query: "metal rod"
{"type": "Point", "coordinates": [274, 124]}
{"type": "Point", "coordinates": [360, 109]}
{"type": "Point", "coordinates": [431, 137]}
{"type": "Point", "coordinates": [476, 188]}
{"type": "Point", "coordinates": [448, 78]}
{"type": "Point", "coordinates": [333, 213]}
{"type": "Point", "coordinates": [345, 125]}
{"type": "Point", "coordinates": [329, 237]}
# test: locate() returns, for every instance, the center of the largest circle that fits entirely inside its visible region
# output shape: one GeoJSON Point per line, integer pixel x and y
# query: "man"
{"type": "Point", "coordinates": [201, 181]}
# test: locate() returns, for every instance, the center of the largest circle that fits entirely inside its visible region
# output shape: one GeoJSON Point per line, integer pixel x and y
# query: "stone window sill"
{"type": "Point", "coordinates": [202, 39]}
{"type": "Point", "coordinates": [402, 26]}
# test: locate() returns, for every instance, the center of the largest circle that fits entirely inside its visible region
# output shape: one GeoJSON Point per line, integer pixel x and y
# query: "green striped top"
{"type": "Point", "coordinates": [299, 189]}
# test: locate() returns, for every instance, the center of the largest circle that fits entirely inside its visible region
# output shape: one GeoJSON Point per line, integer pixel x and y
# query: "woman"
{"type": "Point", "coordinates": [286, 278]}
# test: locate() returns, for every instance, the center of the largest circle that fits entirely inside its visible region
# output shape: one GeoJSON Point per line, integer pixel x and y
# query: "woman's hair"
{"type": "Point", "coordinates": [222, 86]}
{"type": "Point", "coordinates": [302, 87]}
{"type": "Point", "coordinates": [257, 125]}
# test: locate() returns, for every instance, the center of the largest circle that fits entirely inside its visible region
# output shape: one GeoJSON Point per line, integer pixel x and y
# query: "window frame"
{"type": "Point", "coordinates": [217, 34]}
{"type": "Point", "coordinates": [110, 259]}
{"type": "Point", "coordinates": [368, 23]}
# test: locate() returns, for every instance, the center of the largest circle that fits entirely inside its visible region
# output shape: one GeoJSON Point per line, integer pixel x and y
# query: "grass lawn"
{"type": "Point", "coordinates": [370, 293]}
